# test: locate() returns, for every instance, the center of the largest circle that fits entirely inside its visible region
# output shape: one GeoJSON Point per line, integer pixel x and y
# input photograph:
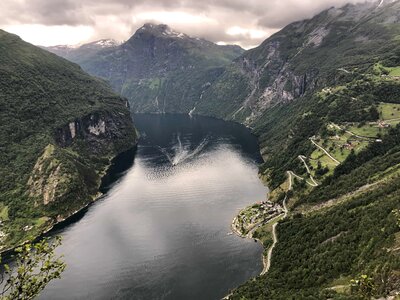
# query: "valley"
{"type": "Point", "coordinates": [162, 229]}
{"type": "Point", "coordinates": [322, 97]}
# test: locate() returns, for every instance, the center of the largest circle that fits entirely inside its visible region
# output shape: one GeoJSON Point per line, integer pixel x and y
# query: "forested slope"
{"type": "Point", "coordinates": [59, 129]}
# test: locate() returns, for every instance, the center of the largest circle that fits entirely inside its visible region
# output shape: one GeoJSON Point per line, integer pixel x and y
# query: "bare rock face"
{"type": "Point", "coordinates": [99, 131]}
{"type": "Point", "coordinates": [71, 164]}
{"type": "Point", "coordinates": [49, 178]}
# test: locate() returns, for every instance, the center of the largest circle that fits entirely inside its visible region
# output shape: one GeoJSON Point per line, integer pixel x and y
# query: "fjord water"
{"type": "Point", "coordinates": [162, 230]}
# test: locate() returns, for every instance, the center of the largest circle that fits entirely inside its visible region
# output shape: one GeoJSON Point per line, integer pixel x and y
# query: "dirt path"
{"type": "Point", "coordinates": [326, 152]}
{"type": "Point", "coordinates": [290, 180]}
{"type": "Point", "coordinates": [303, 159]}
{"type": "Point", "coordinates": [344, 70]}
{"type": "Point", "coordinates": [291, 175]}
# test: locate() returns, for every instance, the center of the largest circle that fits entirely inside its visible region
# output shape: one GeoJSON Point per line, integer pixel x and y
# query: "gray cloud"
{"type": "Point", "coordinates": [246, 22]}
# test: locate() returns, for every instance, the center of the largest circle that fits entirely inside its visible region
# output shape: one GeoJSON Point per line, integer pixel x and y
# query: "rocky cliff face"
{"type": "Point", "coordinates": [55, 171]}
{"type": "Point", "coordinates": [98, 130]}
{"type": "Point", "coordinates": [304, 56]}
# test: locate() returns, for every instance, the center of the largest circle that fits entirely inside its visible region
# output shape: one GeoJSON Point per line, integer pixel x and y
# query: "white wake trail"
{"type": "Point", "coordinates": [198, 149]}
{"type": "Point", "coordinates": [181, 152]}
{"type": "Point", "coordinates": [167, 155]}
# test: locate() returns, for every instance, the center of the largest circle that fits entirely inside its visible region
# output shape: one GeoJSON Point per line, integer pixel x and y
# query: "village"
{"type": "Point", "coordinates": [253, 216]}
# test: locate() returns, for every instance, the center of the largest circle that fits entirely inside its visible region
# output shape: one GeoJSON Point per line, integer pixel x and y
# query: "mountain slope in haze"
{"type": "Point", "coordinates": [80, 54]}
{"type": "Point", "coordinates": [59, 130]}
{"type": "Point", "coordinates": [157, 69]}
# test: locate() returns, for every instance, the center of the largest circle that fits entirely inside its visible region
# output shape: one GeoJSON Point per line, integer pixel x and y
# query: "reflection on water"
{"type": "Point", "coordinates": [162, 229]}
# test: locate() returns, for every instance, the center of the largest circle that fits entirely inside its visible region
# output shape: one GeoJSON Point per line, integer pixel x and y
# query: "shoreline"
{"type": "Point", "coordinates": [249, 235]}
{"type": "Point", "coordinates": [265, 259]}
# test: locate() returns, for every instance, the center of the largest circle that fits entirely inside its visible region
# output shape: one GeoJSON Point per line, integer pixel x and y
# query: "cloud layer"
{"type": "Point", "coordinates": [245, 22]}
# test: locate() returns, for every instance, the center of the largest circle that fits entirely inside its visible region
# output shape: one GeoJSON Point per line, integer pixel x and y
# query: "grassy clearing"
{"type": "Point", "coordinates": [3, 213]}
{"type": "Point", "coordinates": [395, 71]}
{"type": "Point", "coordinates": [368, 130]}
{"type": "Point", "coordinates": [393, 123]}
{"type": "Point", "coordinates": [265, 236]}
{"type": "Point", "coordinates": [339, 143]}
{"type": "Point", "coordinates": [340, 146]}
{"type": "Point", "coordinates": [326, 162]}
{"type": "Point", "coordinates": [389, 111]}
{"type": "Point", "coordinates": [379, 69]}
{"type": "Point", "coordinates": [41, 221]}
{"type": "Point", "coordinates": [278, 193]}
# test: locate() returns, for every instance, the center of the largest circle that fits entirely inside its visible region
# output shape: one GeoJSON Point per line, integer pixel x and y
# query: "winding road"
{"type": "Point", "coordinates": [267, 262]}
{"type": "Point", "coordinates": [303, 159]}
{"type": "Point", "coordinates": [291, 174]}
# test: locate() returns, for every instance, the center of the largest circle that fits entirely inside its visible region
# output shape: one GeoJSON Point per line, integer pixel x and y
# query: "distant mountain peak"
{"type": "Point", "coordinates": [160, 30]}
{"type": "Point", "coordinates": [104, 43]}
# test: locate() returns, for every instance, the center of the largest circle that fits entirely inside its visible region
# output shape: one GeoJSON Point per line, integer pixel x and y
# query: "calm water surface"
{"type": "Point", "coordinates": [162, 229]}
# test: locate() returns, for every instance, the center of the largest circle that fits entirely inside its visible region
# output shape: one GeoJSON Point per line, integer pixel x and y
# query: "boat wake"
{"type": "Point", "coordinates": [182, 152]}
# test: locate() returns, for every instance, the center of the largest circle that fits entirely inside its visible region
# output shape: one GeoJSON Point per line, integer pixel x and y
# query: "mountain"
{"type": "Point", "coordinates": [157, 69]}
{"type": "Point", "coordinates": [301, 58]}
{"type": "Point", "coordinates": [80, 53]}
{"type": "Point", "coordinates": [323, 95]}
{"type": "Point", "coordinates": [59, 130]}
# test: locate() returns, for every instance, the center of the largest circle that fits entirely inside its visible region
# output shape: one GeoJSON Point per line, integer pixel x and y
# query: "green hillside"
{"type": "Point", "coordinates": [341, 140]}
{"type": "Point", "coordinates": [59, 129]}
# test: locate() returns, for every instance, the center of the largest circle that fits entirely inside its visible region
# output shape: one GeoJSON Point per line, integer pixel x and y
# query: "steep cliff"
{"type": "Point", "coordinates": [59, 130]}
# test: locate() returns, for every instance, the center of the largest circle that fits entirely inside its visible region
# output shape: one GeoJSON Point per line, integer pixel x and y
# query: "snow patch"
{"type": "Point", "coordinates": [107, 43]}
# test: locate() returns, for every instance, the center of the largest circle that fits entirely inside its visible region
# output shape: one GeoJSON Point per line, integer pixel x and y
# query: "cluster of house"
{"type": "Point", "coordinates": [262, 211]}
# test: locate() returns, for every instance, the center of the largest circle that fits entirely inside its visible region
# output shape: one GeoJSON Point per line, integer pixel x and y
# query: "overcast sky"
{"type": "Point", "coordinates": [244, 22]}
